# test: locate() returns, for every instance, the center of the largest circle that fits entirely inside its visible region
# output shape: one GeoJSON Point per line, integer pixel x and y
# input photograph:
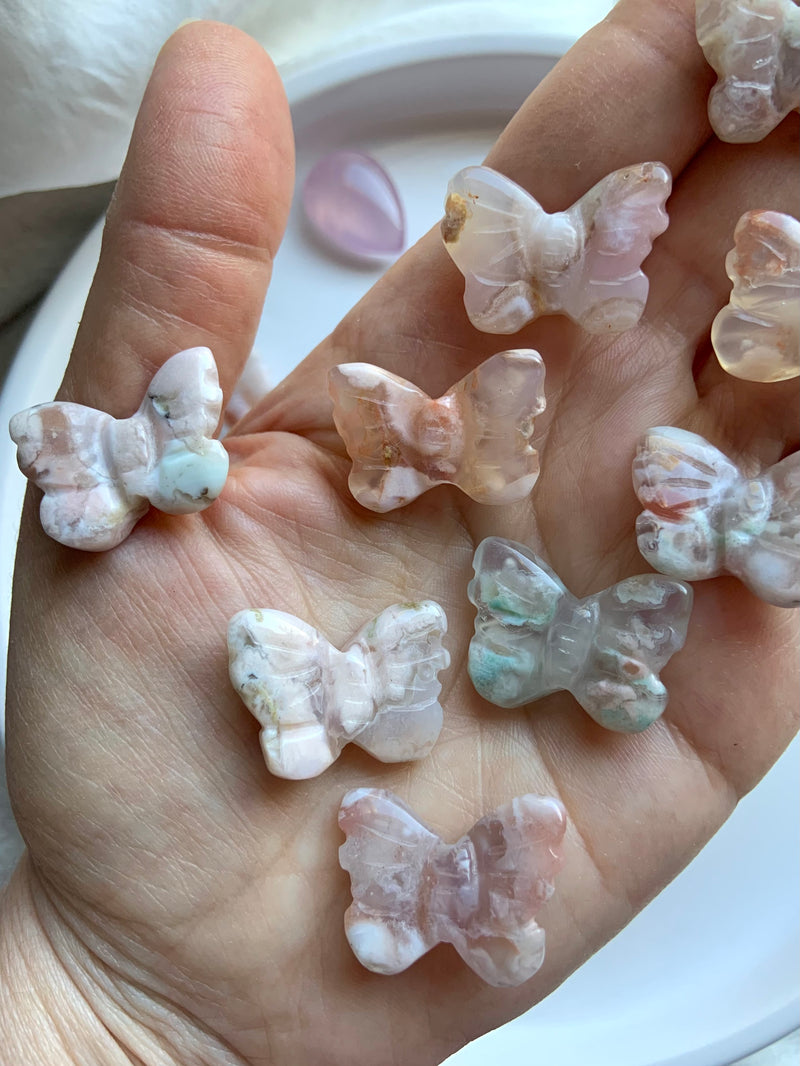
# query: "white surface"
{"type": "Point", "coordinates": [72, 74]}
{"type": "Point", "coordinates": [708, 972]}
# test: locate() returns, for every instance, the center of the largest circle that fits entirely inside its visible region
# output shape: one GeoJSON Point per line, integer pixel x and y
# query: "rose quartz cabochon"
{"type": "Point", "coordinates": [353, 204]}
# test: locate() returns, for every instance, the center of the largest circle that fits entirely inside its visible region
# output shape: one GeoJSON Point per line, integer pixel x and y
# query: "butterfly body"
{"type": "Point", "coordinates": [380, 692]}
{"type": "Point", "coordinates": [411, 890]}
{"type": "Point", "coordinates": [477, 436]}
{"type": "Point", "coordinates": [704, 517]}
{"type": "Point", "coordinates": [100, 475]}
{"type": "Point", "coordinates": [520, 262]}
{"type": "Point", "coordinates": [532, 637]}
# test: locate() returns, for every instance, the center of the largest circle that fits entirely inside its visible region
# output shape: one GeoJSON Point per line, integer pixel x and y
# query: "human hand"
{"type": "Point", "coordinates": [178, 904]}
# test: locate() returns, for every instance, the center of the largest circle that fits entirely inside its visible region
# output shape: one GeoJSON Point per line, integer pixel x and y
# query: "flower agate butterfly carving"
{"type": "Point", "coordinates": [757, 336]}
{"type": "Point", "coordinates": [704, 517]}
{"type": "Point", "coordinates": [100, 474]}
{"type": "Point", "coordinates": [412, 891]}
{"type": "Point", "coordinates": [532, 637]}
{"type": "Point", "coordinates": [520, 262]}
{"type": "Point", "coordinates": [476, 436]}
{"type": "Point", "coordinates": [754, 48]}
{"type": "Point", "coordinates": [381, 692]}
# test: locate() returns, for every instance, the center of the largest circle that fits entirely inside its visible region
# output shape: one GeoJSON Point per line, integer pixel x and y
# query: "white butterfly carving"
{"type": "Point", "coordinates": [380, 692]}
{"type": "Point", "coordinates": [100, 474]}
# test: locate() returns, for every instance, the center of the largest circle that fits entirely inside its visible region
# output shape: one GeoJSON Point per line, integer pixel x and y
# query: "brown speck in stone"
{"type": "Point", "coordinates": [535, 297]}
{"type": "Point", "coordinates": [762, 249]}
{"type": "Point", "coordinates": [456, 215]}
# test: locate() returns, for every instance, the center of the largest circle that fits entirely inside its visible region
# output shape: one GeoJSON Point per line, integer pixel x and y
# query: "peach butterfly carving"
{"type": "Point", "coordinates": [477, 436]}
{"type": "Point", "coordinates": [757, 336]}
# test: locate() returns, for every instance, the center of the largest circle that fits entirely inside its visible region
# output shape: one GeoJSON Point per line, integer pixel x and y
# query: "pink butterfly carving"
{"type": "Point", "coordinates": [100, 474]}
{"type": "Point", "coordinates": [412, 891]}
{"type": "Point", "coordinates": [586, 262]}
{"type": "Point", "coordinates": [754, 48]}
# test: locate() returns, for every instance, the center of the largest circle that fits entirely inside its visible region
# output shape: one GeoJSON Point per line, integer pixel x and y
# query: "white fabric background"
{"type": "Point", "coordinates": [72, 72]}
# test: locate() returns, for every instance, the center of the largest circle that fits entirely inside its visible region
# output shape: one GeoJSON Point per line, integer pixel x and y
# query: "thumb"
{"type": "Point", "coordinates": [197, 217]}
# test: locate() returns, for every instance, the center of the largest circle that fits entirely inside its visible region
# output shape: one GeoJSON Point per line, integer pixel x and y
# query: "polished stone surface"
{"type": "Point", "coordinates": [354, 205]}
{"type": "Point", "coordinates": [380, 692]}
{"type": "Point", "coordinates": [521, 262]}
{"type": "Point", "coordinates": [412, 891]}
{"type": "Point", "coordinates": [100, 475]}
{"type": "Point", "coordinates": [477, 436]}
{"type": "Point", "coordinates": [754, 48]}
{"type": "Point", "coordinates": [757, 336]}
{"type": "Point", "coordinates": [705, 517]}
{"type": "Point", "coordinates": [533, 637]}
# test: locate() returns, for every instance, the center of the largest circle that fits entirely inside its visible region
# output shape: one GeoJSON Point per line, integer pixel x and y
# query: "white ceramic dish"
{"type": "Point", "coordinates": [708, 972]}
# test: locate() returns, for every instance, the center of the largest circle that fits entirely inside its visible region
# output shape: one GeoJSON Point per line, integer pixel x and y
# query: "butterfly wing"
{"type": "Point", "coordinates": [181, 410]}
{"type": "Point", "coordinates": [518, 597]}
{"type": "Point", "coordinates": [505, 867]}
{"type": "Point", "coordinates": [683, 482]}
{"type": "Point", "coordinates": [757, 336]}
{"type": "Point", "coordinates": [379, 416]}
{"type": "Point", "coordinates": [606, 289]}
{"type": "Point", "coordinates": [386, 852]}
{"type": "Point", "coordinates": [487, 230]}
{"type": "Point", "coordinates": [764, 549]}
{"type": "Point", "coordinates": [641, 623]}
{"type": "Point", "coordinates": [283, 670]}
{"type": "Point", "coordinates": [743, 43]}
{"type": "Point", "coordinates": [185, 398]}
{"type": "Point", "coordinates": [64, 449]}
{"type": "Point", "coordinates": [403, 653]}
{"type": "Point", "coordinates": [499, 401]}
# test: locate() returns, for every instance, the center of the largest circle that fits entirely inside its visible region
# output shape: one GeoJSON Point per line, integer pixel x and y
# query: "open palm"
{"type": "Point", "coordinates": [194, 901]}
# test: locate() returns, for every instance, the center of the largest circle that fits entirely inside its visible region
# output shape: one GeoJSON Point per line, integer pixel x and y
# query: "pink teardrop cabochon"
{"type": "Point", "coordinates": [353, 204]}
